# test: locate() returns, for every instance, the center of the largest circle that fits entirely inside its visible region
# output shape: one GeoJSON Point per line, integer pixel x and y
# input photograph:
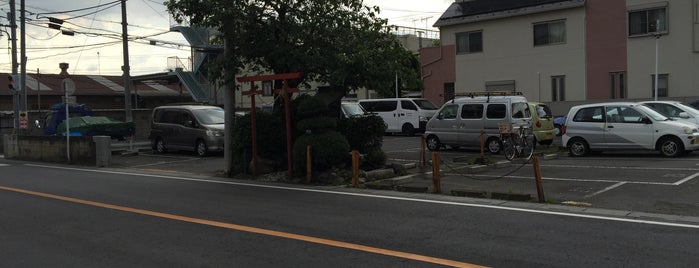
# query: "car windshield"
{"type": "Point", "coordinates": [651, 113]}
{"type": "Point", "coordinates": [689, 109]}
{"type": "Point", "coordinates": [425, 104]}
{"type": "Point", "coordinates": [353, 109]}
{"type": "Point", "coordinates": [210, 116]}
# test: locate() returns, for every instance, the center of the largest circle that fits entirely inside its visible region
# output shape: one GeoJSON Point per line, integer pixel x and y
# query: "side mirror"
{"type": "Point", "coordinates": [646, 120]}
{"type": "Point", "coordinates": [189, 123]}
{"type": "Point", "coordinates": [684, 115]}
{"type": "Point", "coordinates": [440, 116]}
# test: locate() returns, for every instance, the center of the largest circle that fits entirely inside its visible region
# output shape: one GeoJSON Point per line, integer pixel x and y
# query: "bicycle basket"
{"type": "Point", "coordinates": [505, 127]}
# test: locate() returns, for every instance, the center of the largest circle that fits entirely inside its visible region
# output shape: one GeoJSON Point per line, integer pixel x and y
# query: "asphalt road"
{"type": "Point", "coordinates": [63, 216]}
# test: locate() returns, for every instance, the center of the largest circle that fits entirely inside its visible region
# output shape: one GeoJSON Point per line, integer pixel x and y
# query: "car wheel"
{"type": "Point", "coordinates": [201, 148]}
{"type": "Point", "coordinates": [494, 145]}
{"type": "Point", "coordinates": [578, 147]}
{"type": "Point", "coordinates": [160, 146]}
{"type": "Point", "coordinates": [671, 147]}
{"type": "Point", "coordinates": [433, 143]}
{"type": "Point", "coordinates": [558, 130]}
{"type": "Point", "coordinates": [408, 130]}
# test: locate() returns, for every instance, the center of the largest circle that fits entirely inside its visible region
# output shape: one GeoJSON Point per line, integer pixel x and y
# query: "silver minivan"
{"type": "Point", "coordinates": [197, 128]}
{"type": "Point", "coordinates": [626, 126]}
{"type": "Point", "coordinates": [459, 122]}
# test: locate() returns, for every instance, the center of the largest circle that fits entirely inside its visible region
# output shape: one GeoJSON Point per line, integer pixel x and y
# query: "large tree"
{"type": "Point", "coordinates": [339, 42]}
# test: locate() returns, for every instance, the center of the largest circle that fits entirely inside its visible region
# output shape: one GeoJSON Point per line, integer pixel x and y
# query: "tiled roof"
{"type": "Point", "coordinates": [474, 8]}
{"type": "Point", "coordinates": [94, 85]}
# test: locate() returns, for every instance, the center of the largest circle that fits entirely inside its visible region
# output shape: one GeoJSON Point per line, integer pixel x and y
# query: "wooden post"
{"type": "Point", "coordinates": [436, 177]}
{"type": "Point", "coordinates": [537, 176]}
{"type": "Point", "coordinates": [423, 156]}
{"type": "Point", "coordinates": [309, 164]}
{"type": "Point", "coordinates": [355, 168]}
{"type": "Point", "coordinates": [482, 144]}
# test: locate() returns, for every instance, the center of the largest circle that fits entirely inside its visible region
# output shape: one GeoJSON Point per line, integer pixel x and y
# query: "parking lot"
{"type": "Point", "coordinates": [629, 181]}
{"type": "Point", "coordinates": [633, 180]}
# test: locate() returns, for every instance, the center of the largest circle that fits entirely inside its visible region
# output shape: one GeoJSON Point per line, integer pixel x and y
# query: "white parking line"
{"type": "Point", "coordinates": [620, 167]}
{"type": "Point", "coordinates": [686, 179]}
{"type": "Point", "coordinates": [606, 189]}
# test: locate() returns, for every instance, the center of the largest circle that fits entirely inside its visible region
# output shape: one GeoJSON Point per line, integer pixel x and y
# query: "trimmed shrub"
{"type": "Point", "coordinates": [328, 149]}
{"type": "Point", "coordinates": [374, 159]}
{"type": "Point", "coordinates": [271, 140]}
{"type": "Point", "coordinates": [363, 133]}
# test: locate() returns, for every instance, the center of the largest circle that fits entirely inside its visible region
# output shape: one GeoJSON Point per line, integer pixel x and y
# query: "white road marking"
{"type": "Point", "coordinates": [566, 179]}
{"type": "Point", "coordinates": [686, 179]}
{"type": "Point", "coordinates": [620, 167]}
{"type": "Point", "coordinates": [496, 207]}
{"type": "Point", "coordinates": [606, 189]}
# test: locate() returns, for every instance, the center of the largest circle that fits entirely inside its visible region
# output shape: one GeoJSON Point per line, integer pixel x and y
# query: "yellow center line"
{"type": "Point", "coordinates": [243, 228]}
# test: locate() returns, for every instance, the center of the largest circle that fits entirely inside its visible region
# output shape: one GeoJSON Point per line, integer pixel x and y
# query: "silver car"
{"type": "Point", "coordinates": [626, 126]}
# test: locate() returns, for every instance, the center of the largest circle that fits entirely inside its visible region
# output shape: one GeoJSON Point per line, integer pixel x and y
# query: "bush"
{"type": "Point", "coordinates": [374, 159]}
{"type": "Point", "coordinates": [271, 140]}
{"type": "Point", "coordinates": [328, 149]}
{"type": "Point", "coordinates": [363, 133]}
{"type": "Point", "coordinates": [318, 124]}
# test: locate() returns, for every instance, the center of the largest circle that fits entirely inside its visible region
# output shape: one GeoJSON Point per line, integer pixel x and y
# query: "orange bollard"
{"type": "Point", "coordinates": [355, 168]}
{"type": "Point", "coordinates": [537, 176]}
{"type": "Point", "coordinates": [423, 155]}
{"type": "Point", "coordinates": [309, 164]}
{"type": "Point", "coordinates": [436, 177]}
{"type": "Point", "coordinates": [482, 143]}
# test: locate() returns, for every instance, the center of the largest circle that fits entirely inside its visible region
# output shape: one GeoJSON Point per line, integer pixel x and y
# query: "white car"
{"type": "Point", "coordinates": [675, 110]}
{"type": "Point", "coordinates": [626, 126]}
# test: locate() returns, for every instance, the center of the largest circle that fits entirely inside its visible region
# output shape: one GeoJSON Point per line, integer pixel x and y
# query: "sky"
{"type": "Point", "coordinates": [96, 48]}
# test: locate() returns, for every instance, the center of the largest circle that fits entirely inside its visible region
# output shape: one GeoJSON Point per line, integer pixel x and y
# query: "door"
{"type": "Point", "coordinates": [470, 124]}
{"type": "Point", "coordinates": [627, 129]}
{"type": "Point", "coordinates": [408, 114]}
{"type": "Point", "coordinates": [445, 125]}
{"type": "Point", "coordinates": [589, 123]}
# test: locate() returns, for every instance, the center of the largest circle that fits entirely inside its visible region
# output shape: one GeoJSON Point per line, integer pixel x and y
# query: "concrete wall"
{"type": "Point", "coordinates": [677, 55]}
{"type": "Point", "coordinates": [50, 149]}
{"type": "Point", "coordinates": [509, 54]}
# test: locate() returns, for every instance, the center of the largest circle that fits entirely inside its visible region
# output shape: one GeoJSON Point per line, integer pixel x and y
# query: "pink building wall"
{"type": "Point", "coordinates": [438, 68]}
{"type": "Point", "coordinates": [605, 34]}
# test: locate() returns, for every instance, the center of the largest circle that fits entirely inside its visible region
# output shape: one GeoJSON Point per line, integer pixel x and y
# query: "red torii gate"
{"type": "Point", "coordinates": [284, 91]}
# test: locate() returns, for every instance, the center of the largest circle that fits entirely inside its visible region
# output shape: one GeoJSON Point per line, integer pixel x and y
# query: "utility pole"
{"type": "Point", "coordinates": [23, 58]}
{"type": "Point", "coordinates": [125, 68]}
{"type": "Point", "coordinates": [13, 36]}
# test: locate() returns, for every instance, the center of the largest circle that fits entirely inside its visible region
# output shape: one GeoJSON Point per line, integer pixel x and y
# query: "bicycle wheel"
{"type": "Point", "coordinates": [508, 147]}
{"type": "Point", "coordinates": [527, 144]}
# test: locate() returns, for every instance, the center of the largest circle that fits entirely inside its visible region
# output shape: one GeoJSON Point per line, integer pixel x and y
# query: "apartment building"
{"type": "Point", "coordinates": [566, 52]}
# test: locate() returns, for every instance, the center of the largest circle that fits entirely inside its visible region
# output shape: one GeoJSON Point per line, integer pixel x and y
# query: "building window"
{"type": "Point", "coordinates": [645, 22]}
{"type": "Point", "coordinates": [469, 42]}
{"type": "Point", "coordinates": [618, 85]}
{"type": "Point", "coordinates": [558, 88]}
{"type": "Point", "coordinates": [550, 33]}
{"type": "Point", "coordinates": [662, 85]}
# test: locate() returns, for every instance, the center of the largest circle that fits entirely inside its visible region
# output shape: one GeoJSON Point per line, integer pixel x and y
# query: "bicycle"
{"type": "Point", "coordinates": [516, 142]}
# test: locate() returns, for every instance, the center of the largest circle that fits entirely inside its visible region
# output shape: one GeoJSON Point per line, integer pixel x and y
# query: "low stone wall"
{"type": "Point", "coordinates": [50, 149]}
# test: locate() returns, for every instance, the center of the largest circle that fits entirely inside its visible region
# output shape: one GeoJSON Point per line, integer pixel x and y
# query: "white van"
{"type": "Point", "coordinates": [405, 115]}
{"type": "Point", "coordinates": [626, 126]}
{"type": "Point", "coordinates": [459, 122]}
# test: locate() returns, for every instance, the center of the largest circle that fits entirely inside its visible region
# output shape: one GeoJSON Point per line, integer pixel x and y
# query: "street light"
{"type": "Point", "coordinates": [657, 37]}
